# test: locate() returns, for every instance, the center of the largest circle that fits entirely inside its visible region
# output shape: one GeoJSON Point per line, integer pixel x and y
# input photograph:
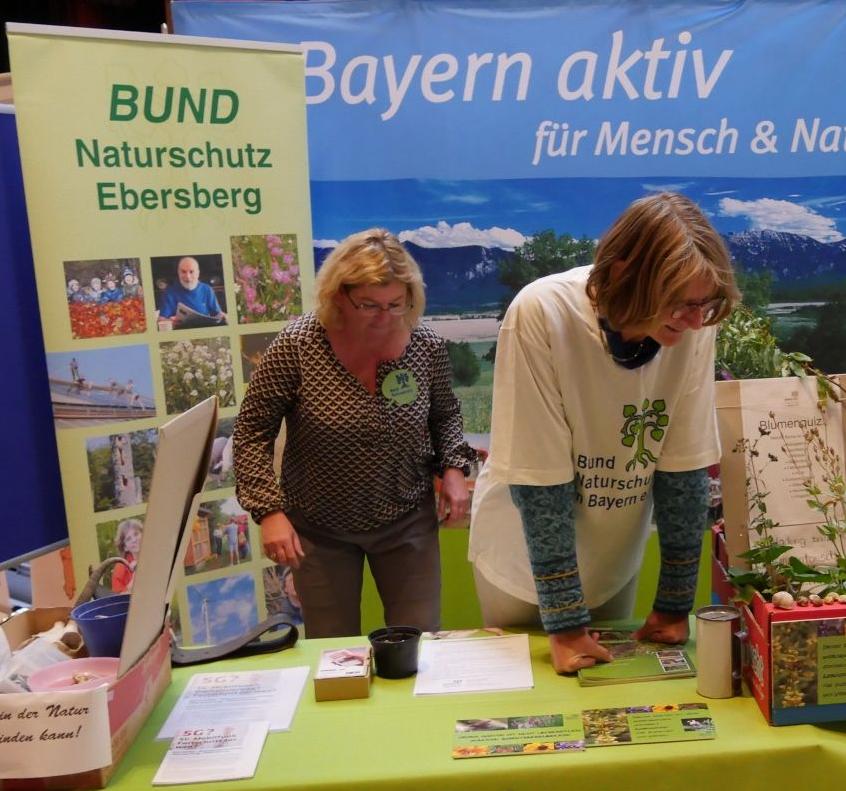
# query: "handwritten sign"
{"type": "Point", "coordinates": [54, 733]}
{"type": "Point", "coordinates": [779, 415]}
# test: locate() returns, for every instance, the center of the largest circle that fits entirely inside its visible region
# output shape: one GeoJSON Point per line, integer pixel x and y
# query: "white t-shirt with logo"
{"type": "Point", "coordinates": [563, 410]}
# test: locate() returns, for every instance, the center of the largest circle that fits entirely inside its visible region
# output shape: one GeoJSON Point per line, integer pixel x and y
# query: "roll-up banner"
{"type": "Point", "coordinates": [167, 192]}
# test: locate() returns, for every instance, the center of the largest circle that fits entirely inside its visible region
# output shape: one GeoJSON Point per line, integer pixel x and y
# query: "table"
{"type": "Point", "coordinates": [393, 740]}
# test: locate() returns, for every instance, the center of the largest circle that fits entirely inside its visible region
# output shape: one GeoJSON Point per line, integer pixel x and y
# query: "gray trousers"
{"type": "Point", "coordinates": [404, 559]}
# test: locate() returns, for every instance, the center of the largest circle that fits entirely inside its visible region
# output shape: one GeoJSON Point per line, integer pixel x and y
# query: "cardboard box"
{"type": "Point", "coordinates": [182, 460]}
{"type": "Point", "coordinates": [343, 674]}
{"type": "Point", "coordinates": [130, 700]}
{"type": "Point", "coordinates": [796, 661]}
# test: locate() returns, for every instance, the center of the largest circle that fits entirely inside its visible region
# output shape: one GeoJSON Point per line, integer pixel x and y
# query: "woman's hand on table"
{"type": "Point", "coordinates": [280, 540]}
{"type": "Point", "coordinates": [454, 497]}
{"type": "Point", "coordinates": [575, 649]}
{"type": "Point", "coordinates": [663, 627]}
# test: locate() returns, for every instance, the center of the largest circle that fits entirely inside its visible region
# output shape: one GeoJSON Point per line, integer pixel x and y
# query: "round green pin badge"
{"type": "Point", "coordinates": [400, 387]}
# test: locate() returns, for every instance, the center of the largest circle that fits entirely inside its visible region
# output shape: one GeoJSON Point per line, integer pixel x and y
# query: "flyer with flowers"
{"type": "Point", "coordinates": [635, 660]}
{"type": "Point", "coordinates": [550, 733]}
{"type": "Point", "coordinates": [168, 200]}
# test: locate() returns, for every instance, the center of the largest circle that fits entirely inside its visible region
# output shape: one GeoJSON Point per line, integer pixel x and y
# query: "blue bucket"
{"type": "Point", "coordinates": [102, 623]}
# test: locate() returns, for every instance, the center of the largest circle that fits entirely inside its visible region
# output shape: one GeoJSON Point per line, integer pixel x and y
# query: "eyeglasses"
{"type": "Point", "coordinates": [374, 309]}
{"type": "Point", "coordinates": [708, 309]}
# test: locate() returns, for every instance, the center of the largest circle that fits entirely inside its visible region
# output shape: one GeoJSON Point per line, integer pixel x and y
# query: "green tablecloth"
{"type": "Point", "coordinates": [393, 740]}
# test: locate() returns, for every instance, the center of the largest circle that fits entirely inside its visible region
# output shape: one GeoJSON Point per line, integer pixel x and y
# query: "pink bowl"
{"type": "Point", "coordinates": [75, 674]}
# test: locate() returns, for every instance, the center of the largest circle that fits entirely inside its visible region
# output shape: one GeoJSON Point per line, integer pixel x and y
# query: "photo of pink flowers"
{"type": "Point", "coordinates": [194, 370]}
{"type": "Point", "coordinates": [267, 277]}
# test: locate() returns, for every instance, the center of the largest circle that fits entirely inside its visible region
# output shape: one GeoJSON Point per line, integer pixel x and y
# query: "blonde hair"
{"type": "Point", "coordinates": [123, 528]}
{"type": "Point", "coordinates": [665, 243]}
{"type": "Point", "coordinates": [374, 257]}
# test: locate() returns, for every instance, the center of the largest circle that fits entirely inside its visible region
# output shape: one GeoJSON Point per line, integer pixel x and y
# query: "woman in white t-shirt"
{"type": "Point", "coordinates": [603, 404]}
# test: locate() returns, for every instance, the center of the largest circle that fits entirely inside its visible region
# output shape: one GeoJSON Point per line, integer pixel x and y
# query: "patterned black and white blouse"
{"type": "Point", "coordinates": [353, 460]}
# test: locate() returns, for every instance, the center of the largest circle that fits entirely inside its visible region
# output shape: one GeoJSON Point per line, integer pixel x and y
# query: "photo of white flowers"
{"type": "Point", "coordinates": [193, 370]}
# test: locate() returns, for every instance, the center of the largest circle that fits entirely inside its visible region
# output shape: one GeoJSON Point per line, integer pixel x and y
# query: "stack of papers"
{"type": "Point", "coordinates": [480, 664]}
{"type": "Point", "coordinates": [227, 698]}
{"type": "Point", "coordinates": [219, 752]}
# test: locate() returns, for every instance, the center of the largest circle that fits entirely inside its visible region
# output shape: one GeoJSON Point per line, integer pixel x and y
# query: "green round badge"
{"type": "Point", "coordinates": [400, 387]}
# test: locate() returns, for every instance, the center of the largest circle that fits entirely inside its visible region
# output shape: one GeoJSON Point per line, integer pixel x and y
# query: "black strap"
{"type": "Point", "coordinates": [243, 645]}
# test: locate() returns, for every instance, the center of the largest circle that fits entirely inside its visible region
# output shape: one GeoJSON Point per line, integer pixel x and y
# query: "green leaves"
{"type": "Point", "coordinates": [765, 554]}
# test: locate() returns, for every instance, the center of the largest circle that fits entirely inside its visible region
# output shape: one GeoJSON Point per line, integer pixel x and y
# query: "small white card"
{"type": "Point", "coordinates": [226, 698]}
{"type": "Point", "coordinates": [218, 752]}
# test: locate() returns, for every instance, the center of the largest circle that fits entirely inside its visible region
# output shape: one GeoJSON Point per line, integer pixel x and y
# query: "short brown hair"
{"type": "Point", "coordinates": [665, 242]}
{"type": "Point", "coordinates": [374, 257]}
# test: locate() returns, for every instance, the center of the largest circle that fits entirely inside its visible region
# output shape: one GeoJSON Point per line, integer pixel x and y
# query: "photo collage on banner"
{"type": "Point", "coordinates": [171, 234]}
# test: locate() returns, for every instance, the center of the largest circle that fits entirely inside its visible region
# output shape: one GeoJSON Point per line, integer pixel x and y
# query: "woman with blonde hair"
{"type": "Point", "coordinates": [603, 404]}
{"type": "Point", "coordinates": [128, 544]}
{"type": "Point", "coordinates": [365, 393]}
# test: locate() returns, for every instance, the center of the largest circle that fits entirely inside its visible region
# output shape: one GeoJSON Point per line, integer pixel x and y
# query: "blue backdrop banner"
{"type": "Point", "coordinates": [491, 134]}
{"type": "Point", "coordinates": [507, 89]}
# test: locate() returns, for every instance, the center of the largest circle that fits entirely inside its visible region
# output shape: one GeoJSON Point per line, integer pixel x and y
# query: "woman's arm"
{"type": "Point", "coordinates": [681, 508]}
{"type": "Point", "coordinates": [550, 529]}
{"type": "Point", "coordinates": [270, 396]}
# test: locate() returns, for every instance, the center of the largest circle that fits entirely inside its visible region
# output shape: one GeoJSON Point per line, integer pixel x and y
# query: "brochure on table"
{"type": "Point", "coordinates": [213, 699]}
{"type": "Point", "coordinates": [546, 733]}
{"type": "Point", "coordinates": [636, 660]}
{"type": "Point", "coordinates": [480, 664]}
{"type": "Point", "coordinates": [216, 752]}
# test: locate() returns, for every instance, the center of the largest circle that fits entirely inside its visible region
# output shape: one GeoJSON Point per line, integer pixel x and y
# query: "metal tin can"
{"type": "Point", "coordinates": [718, 651]}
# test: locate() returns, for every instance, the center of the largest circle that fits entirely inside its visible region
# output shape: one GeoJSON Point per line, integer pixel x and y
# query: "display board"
{"type": "Point", "coordinates": [169, 211]}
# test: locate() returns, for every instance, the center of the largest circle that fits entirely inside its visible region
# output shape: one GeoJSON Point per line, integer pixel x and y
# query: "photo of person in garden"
{"type": "Point", "coordinates": [189, 291]}
{"type": "Point", "coordinates": [128, 546]}
{"type": "Point", "coordinates": [120, 538]}
{"type": "Point", "coordinates": [220, 537]}
{"type": "Point", "coordinates": [105, 297]}
{"type": "Point", "coordinates": [193, 370]}
{"type": "Point", "coordinates": [267, 277]}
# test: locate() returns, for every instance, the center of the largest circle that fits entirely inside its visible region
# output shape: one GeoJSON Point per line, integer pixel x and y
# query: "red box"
{"type": "Point", "coordinates": [795, 661]}
{"type": "Point", "coordinates": [130, 699]}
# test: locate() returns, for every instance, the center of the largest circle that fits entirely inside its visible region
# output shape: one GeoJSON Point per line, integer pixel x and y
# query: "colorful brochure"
{"type": "Point", "coordinates": [548, 733]}
{"type": "Point", "coordinates": [636, 660]}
